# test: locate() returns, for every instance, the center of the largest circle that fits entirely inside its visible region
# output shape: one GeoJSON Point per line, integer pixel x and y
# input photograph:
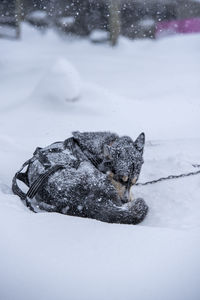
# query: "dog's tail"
{"type": "Point", "coordinates": [133, 212]}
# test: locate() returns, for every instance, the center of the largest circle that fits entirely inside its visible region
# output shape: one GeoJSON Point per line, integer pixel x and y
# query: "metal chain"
{"type": "Point", "coordinates": [169, 177]}
{"type": "Point", "coordinates": [196, 166]}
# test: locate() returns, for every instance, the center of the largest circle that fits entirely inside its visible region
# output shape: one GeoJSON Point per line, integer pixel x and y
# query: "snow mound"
{"type": "Point", "coordinates": [37, 15]}
{"type": "Point", "coordinates": [98, 36]}
{"type": "Point", "coordinates": [147, 22]}
{"type": "Point", "coordinates": [61, 83]}
{"type": "Point", "coordinates": [66, 21]}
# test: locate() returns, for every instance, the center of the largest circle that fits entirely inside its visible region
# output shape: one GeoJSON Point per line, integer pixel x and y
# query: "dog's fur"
{"type": "Point", "coordinates": [100, 168]}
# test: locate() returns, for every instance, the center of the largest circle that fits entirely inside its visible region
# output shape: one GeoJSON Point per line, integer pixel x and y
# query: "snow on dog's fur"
{"type": "Point", "coordinates": [99, 170]}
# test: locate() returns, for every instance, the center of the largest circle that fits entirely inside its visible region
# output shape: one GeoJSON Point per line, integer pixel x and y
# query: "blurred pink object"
{"type": "Point", "coordinates": [178, 26]}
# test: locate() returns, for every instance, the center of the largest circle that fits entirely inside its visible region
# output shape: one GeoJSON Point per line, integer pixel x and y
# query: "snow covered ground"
{"type": "Point", "coordinates": [150, 86]}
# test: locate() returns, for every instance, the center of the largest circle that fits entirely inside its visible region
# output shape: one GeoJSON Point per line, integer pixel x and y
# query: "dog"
{"type": "Point", "coordinates": [88, 175]}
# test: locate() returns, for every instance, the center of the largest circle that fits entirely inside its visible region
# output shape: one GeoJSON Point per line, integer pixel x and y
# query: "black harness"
{"type": "Point", "coordinates": [41, 156]}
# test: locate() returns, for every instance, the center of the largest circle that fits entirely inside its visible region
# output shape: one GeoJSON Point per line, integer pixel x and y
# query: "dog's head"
{"type": "Point", "coordinates": [125, 157]}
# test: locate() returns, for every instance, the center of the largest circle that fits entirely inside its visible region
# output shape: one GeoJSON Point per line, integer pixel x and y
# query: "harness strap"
{"type": "Point", "coordinates": [22, 177]}
{"type": "Point", "coordinates": [43, 159]}
{"type": "Point", "coordinates": [35, 186]}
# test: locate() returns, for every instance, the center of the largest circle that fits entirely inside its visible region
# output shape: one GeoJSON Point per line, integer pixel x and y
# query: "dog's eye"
{"type": "Point", "coordinates": [125, 178]}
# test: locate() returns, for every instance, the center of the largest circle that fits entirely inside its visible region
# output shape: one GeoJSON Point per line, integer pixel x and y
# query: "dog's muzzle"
{"type": "Point", "coordinates": [123, 186]}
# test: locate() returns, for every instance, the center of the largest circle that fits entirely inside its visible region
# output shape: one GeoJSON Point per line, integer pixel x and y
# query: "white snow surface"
{"type": "Point", "coordinates": [150, 86]}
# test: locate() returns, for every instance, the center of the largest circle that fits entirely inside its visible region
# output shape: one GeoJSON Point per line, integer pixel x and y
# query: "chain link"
{"type": "Point", "coordinates": [196, 166]}
{"type": "Point", "coordinates": [168, 178]}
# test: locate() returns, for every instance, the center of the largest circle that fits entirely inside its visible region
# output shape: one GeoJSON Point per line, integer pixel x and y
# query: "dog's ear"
{"type": "Point", "coordinates": [107, 151]}
{"type": "Point", "coordinates": [140, 141]}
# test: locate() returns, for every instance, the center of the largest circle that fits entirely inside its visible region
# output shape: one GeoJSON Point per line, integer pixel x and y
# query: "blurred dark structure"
{"type": "Point", "coordinates": [132, 18]}
{"type": "Point", "coordinates": [10, 17]}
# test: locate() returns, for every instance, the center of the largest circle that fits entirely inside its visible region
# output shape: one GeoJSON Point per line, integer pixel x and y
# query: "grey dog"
{"type": "Point", "coordinates": [88, 175]}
